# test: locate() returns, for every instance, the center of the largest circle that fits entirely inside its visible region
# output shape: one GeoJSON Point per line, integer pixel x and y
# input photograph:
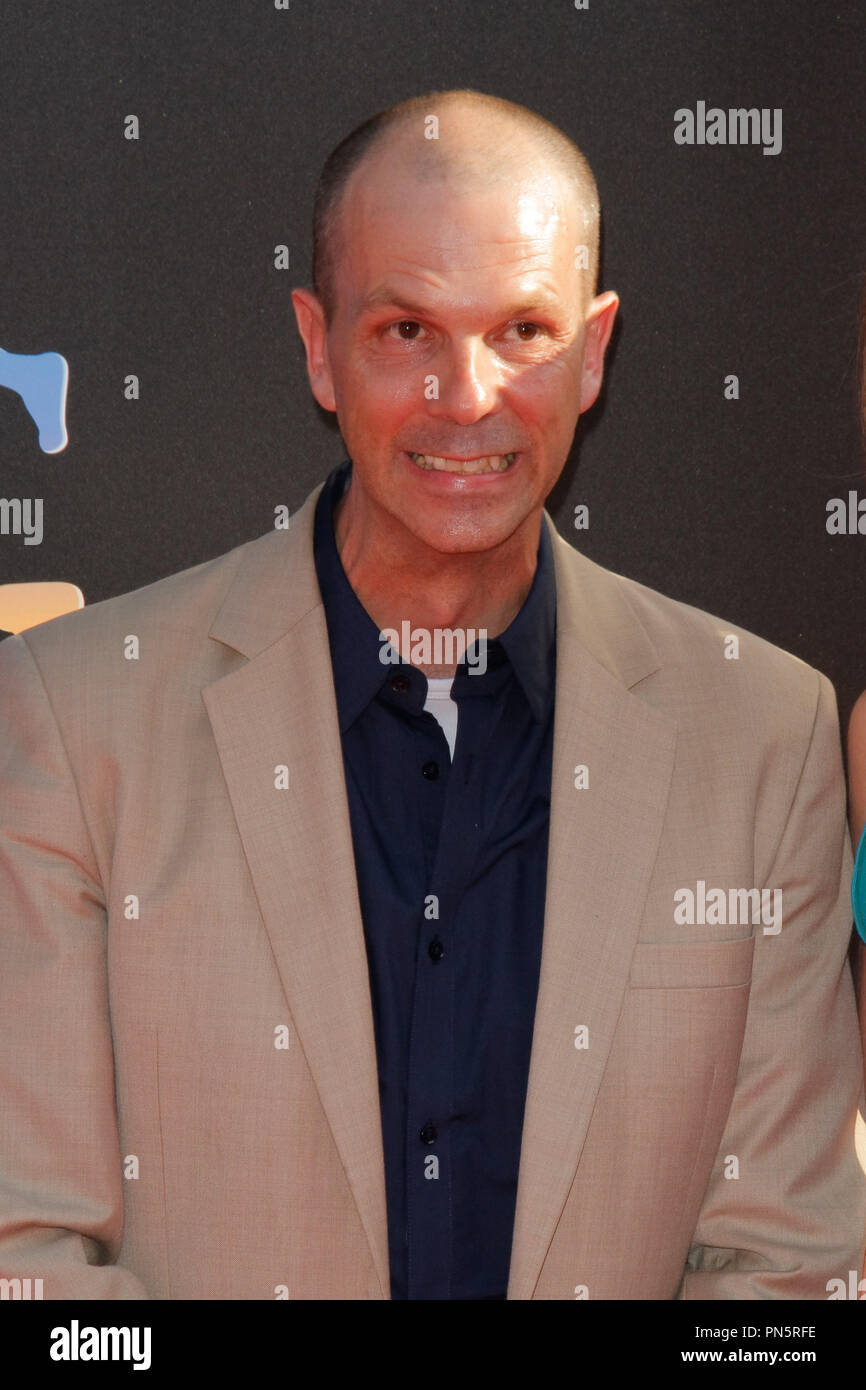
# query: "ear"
{"type": "Point", "coordinates": [310, 317]}
{"type": "Point", "coordinates": [597, 330]}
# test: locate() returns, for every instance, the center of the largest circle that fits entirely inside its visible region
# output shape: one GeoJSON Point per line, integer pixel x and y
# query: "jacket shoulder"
{"type": "Point", "coordinates": [708, 657]}
{"type": "Point", "coordinates": [183, 601]}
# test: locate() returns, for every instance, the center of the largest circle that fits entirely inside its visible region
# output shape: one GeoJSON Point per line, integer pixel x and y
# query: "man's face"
{"type": "Point", "coordinates": [460, 333]}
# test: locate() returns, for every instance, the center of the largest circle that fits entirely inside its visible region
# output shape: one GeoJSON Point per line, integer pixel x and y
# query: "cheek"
{"type": "Point", "coordinates": [387, 386]}
{"type": "Point", "coordinates": [548, 397]}
{"type": "Point", "coordinates": [381, 406]}
{"type": "Point", "coordinates": [364, 400]}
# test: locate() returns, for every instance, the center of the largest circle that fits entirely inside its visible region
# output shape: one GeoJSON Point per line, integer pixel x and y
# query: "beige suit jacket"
{"type": "Point", "coordinates": [188, 1079]}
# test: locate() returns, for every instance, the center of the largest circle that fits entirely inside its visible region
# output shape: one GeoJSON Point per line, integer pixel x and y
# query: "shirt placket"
{"type": "Point", "coordinates": [430, 1118]}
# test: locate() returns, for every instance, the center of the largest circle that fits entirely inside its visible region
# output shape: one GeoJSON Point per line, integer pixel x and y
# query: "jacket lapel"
{"type": "Point", "coordinates": [279, 708]}
{"type": "Point", "coordinates": [603, 842]}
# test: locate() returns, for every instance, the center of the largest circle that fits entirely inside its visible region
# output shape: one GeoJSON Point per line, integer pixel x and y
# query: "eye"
{"type": "Point", "coordinates": [527, 331]}
{"type": "Point", "coordinates": [407, 329]}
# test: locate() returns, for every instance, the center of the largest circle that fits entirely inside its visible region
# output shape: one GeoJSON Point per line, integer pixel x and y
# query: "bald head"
{"type": "Point", "coordinates": [480, 141]}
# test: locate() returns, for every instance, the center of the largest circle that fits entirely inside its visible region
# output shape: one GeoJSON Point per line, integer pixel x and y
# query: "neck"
{"type": "Point", "coordinates": [398, 579]}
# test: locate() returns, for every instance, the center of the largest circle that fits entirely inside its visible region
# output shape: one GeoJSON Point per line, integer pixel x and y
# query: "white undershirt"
{"type": "Point", "coordinates": [442, 707]}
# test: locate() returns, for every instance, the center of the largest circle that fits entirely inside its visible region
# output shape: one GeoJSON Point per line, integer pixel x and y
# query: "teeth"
{"type": "Point", "coordinates": [492, 463]}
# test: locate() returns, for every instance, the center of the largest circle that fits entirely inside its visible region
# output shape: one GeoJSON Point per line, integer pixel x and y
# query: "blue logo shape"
{"type": "Point", "coordinates": [40, 379]}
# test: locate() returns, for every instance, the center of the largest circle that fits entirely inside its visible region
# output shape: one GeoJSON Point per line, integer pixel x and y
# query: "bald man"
{"type": "Point", "coordinates": [401, 905]}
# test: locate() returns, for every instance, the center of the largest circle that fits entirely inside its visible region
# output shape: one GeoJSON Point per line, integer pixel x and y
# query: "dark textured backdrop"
{"type": "Point", "coordinates": [155, 257]}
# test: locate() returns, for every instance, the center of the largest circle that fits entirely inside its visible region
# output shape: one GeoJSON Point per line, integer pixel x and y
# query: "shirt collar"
{"type": "Point", "coordinates": [529, 641]}
{"type": "Point", "coordinates": [530, 638]}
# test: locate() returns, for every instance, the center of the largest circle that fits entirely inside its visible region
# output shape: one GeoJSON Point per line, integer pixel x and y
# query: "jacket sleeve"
{"type": "Point", "coordinates": [61, 1183]}
{"type": "Point", "coordinates": [794, 1218]}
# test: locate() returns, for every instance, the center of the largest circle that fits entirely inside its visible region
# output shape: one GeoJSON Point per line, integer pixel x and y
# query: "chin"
{"type": "Point", "coordinates": [464, 540]}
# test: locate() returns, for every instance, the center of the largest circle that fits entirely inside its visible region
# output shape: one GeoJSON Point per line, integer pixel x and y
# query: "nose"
{"type": "Point", "coordinates": [468, 382]}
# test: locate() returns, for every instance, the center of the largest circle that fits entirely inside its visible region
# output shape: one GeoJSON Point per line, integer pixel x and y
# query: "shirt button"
{"type": "Point", "coordinates": [400, 684]}
{"type": "Point", "coordinates": [435, 950]}
{"type": "Point", "coordinates": [428, 1134]}
{"type": "Point", "coordinates": [430, 771]}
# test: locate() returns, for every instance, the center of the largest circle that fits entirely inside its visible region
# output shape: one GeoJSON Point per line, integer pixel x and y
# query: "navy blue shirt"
{"type": "Point", "coordinates": [451, 863]}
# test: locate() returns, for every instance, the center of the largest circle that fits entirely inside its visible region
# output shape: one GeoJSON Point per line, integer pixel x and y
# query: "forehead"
{"type": "Point", "coordinates": [457, 228]}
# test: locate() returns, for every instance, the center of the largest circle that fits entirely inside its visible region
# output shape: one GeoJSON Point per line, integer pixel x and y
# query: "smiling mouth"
{"type": "Point", "coordinates": [489, 463]}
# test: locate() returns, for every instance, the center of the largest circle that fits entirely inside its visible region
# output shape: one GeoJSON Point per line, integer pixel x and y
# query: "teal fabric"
{"type": "Point", "coordinates": [858, 887]}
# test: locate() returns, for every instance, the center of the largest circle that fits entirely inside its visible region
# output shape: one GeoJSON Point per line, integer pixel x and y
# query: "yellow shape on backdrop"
{"type": "Point", "coordinates": [25, 605]}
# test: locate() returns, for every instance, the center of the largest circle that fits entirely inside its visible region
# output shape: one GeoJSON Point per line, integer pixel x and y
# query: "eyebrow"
{"type": "Point", "coordinates": [385, 298]}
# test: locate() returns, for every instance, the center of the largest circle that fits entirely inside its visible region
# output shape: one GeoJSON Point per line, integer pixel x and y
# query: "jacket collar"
{"type": "Point", "coordinates": [275, 586]}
